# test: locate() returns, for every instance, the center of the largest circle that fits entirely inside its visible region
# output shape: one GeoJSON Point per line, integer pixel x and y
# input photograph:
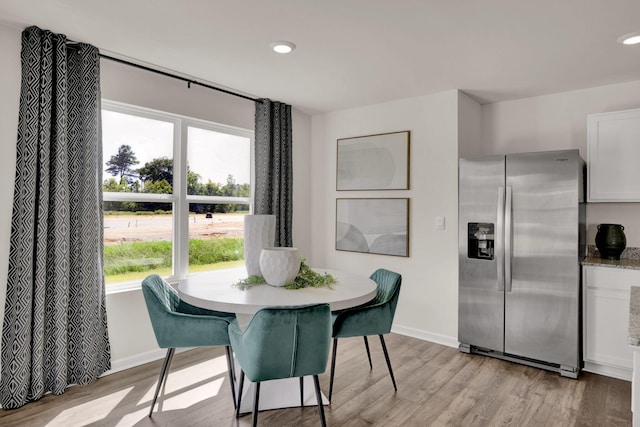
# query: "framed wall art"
{"type": "Point", "coordinates": [377, 226]}
{"type": "Point", "coordinates": [373, 162]}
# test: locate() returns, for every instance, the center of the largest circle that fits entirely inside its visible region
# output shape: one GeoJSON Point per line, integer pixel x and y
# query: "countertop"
{"type": "Point", "coordinates": [633, 264]}
{"type": "Point", "coordinates": [630, 259]}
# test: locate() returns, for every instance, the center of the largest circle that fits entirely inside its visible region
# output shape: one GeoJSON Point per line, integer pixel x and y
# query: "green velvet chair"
{"type": "Point", "coordinates": [372, 318]}
{"type": "Point", "coordinates": [283, 342]}
{"type": "Point", "coordinates": [178, 324]}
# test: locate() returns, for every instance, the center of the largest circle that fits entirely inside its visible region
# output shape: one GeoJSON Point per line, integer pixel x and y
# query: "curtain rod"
{"type": "Point", "coordinates": [184, 79]}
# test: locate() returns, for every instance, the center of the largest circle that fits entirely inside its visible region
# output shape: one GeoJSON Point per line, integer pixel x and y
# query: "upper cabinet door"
{"type": "Point", "coordinates": [614, 156]}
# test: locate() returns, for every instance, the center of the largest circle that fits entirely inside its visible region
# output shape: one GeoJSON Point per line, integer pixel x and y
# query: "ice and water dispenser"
{"type": "Point", "coordinates": [480, 236]}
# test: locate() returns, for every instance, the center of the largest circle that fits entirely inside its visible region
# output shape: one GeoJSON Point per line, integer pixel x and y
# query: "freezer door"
{"type": "Point", "coordinates": [480, 252]}
{"type": "Point", "coordinates": [542, 297]}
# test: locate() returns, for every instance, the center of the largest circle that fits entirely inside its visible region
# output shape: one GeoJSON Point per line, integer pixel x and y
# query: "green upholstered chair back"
{"type": "Point", "coordinates": [374, 317]}
{"type": "Point", "coordinates": [160, 292]}
{"type": "Point", "coordinates": [284, 342]}
{"type": "Point", "coordinates": [178, 324]}
{"type": "Point", "coordinates": [388, 283]}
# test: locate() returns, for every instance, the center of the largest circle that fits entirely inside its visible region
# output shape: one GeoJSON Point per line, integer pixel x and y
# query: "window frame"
{"type": "Point", "coordinates": [180, 200]}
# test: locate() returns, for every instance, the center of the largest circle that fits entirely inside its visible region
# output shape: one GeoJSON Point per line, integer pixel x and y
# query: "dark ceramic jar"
{"type": "Point", "coordinates": [610, 240]}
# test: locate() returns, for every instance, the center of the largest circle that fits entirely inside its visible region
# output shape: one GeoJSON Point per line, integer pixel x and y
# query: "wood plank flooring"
{"type": "Point", "coordinates": [437, 386]}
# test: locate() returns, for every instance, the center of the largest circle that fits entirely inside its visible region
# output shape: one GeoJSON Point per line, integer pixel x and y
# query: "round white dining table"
{"type": "Point", "coordinates": [216, 291]}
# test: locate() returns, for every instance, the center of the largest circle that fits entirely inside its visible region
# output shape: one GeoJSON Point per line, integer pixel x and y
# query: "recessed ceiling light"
{"type": "Point", "coordinates": [282, 46]}
{"type": "Point", "coordinates": [631, 38]}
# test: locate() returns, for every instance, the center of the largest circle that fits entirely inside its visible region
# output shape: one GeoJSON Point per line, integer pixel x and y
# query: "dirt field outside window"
{"type": "Point", "coordinates": [143, 228]}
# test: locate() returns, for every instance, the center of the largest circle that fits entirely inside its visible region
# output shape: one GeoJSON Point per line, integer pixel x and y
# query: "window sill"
{"type": "Point", "coordinates": [117, 288]}
{"type": "Point", "coordinates": [136, 285]}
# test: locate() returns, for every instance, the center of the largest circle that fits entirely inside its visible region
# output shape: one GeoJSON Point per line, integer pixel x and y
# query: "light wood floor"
{"type": "Point", "coordinates": [437, 385]}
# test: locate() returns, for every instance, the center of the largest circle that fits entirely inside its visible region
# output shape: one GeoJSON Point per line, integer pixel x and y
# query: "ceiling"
{"type": "Point", "coordinates": [358, 52]}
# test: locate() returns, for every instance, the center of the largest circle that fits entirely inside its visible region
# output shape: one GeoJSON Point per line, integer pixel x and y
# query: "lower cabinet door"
{"type": "Point", "coordinates": [606, 320]}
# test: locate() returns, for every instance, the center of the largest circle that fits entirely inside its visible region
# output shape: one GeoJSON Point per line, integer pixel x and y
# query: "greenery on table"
{"type": "Point", "coordinates": [250, 282]}
{"type": "Point", "coordinates": [306, 278]}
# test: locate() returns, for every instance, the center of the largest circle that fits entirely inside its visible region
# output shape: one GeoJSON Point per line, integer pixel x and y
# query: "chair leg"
{"type": "Point", "coordinates": [240, 393]}
{"type": "Point", "coordinates": [366, 344]}
{"type": "Point", "coordinates": [255, 405]}
{"type": "Point", "coordinates": [386, 356]}
{"type": "Point", "coordinates": [163, 376]}
{"type": "Point", "coordinates": [231, 375]}
{"type": "Point", "coordinates": [301, 391]}
{"type": "Point", "coordinates": [333, 366]}
{"type": "Point", "coordinates": [316, 382]}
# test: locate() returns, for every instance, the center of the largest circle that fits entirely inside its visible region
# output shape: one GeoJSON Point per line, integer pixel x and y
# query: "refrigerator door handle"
{"type": "Point", "coordinates": [508, 231]}
{"type": "Point", "coordinates": [499, 241]}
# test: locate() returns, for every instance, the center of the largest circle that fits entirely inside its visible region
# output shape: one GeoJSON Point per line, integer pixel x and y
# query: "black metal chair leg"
{"type": "Point", "coordinates": [333, 366]}
{"type": "Point", "coordinates": [316, 382]}
{"type": "Point", "coordinates": [386, 356]}
{"type": "Point", "coordinates": [256, 399]}
{"type": "Point", "coordinates": [231, 375]}
{"type": "Point", "coordinates": [301, 391]}
{"type": "Point", "coordinates": [366, 344]}
{"type": "Point", "coordinates": [163, 376]}
{"type": "Point", "coordinates": [240, 393]}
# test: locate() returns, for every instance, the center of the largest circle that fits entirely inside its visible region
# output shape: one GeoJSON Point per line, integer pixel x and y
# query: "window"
{"type": "Point", "coordinates": [175, 193]}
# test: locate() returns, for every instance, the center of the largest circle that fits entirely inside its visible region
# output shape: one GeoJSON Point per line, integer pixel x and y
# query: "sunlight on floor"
{"type": "Point", "coordinates": [183, 389]}
{"type": "Point", "coordinates": [181, 398]}
{"type": "Point", "coordinates": [100, 408]}
{"type": "Point", "coordinates": [185, 398]}
{"type": "Point", "coordinates": [189, 377]}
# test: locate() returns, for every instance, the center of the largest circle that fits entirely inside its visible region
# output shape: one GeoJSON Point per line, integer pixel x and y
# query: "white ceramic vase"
{"type": "Point", "coordinates": [280, 266]}
{"type": "Point", "coordinates": [259, 233]}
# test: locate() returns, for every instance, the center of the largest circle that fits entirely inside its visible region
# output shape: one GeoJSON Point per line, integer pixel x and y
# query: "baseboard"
{"type": "Point", "coordinates": [157, 354]}
{"type": "Point", "coordinates": [118, 365]}
{"type": "Point", "coordinates": [426, 336]}
{"type": "Point", "coordinates": [609, 371]}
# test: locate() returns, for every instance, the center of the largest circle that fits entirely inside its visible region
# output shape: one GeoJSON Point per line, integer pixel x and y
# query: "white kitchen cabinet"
{"type": "Point", "coordinates": [613, 153]}
{"type": "Point", "coordinates": [635, 386]}
{"type": "Point", "coordinates": [606, 348]}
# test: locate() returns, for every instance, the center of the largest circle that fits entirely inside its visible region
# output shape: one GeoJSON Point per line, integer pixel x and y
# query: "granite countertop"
{"type": "Point", "coordinates": [634, 316]}
{"type": "Point", "coordinates": [629, 259]}
{"type": "Point", "coordinates": [633, 264]}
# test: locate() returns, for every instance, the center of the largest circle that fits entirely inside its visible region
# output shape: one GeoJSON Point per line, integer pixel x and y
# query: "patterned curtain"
{"type": "Point", "coordinates": [274, 166]}
{"type": "Point", "coordinates": [55, 325]}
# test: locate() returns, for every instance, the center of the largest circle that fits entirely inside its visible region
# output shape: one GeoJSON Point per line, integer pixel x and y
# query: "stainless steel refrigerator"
{"type": "Point", "coordinates": [521, 239]}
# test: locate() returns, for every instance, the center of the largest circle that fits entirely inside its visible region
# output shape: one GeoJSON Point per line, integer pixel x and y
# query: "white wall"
{"type": "Point", "coordinates": [9, 100]}
{"type": "Point", "coordinates": [428, 300]}
{"type": "Point", "coordinates": [469, 127]}
{"type": "Point", "coordinates": [559, 121]}
{"type": "Point", "coordinates": [132, 339]}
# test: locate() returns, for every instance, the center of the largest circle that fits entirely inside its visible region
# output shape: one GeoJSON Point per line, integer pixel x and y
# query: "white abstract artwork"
{"type": "Point", "coordinates": [379, 226]}
{"type": "Point", "coordinates": [375, 162]}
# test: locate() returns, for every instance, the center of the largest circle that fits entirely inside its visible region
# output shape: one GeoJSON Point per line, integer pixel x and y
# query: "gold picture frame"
{"type": "Point", "coordinates": [373, 162]}
{"type": "Point", "coordinates": [373, 225]}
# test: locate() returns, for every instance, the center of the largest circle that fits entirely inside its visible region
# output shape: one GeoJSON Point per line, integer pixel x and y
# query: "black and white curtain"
{"type": "Point", "coordinates": [274, 166]}
{"type": "Point", "coordinates": [55, 327]}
